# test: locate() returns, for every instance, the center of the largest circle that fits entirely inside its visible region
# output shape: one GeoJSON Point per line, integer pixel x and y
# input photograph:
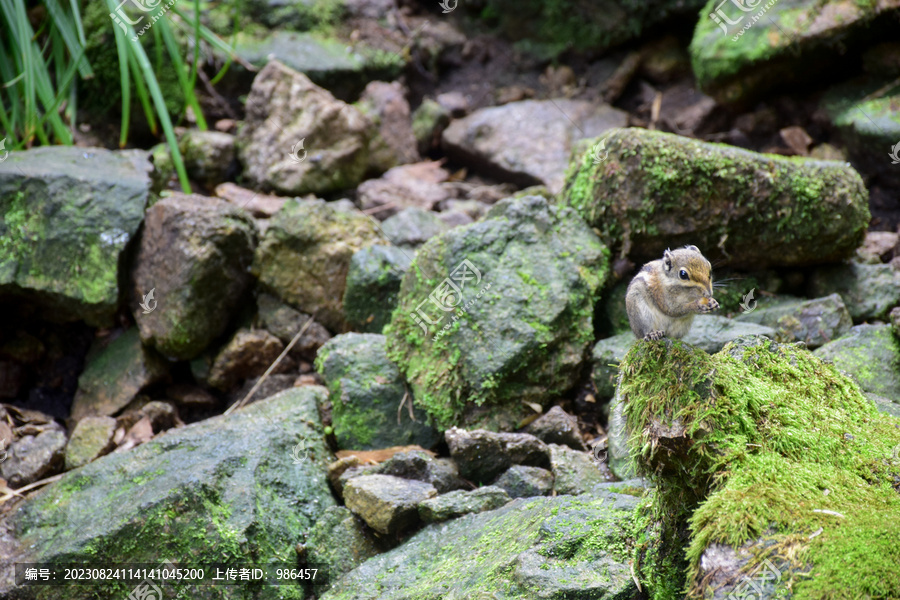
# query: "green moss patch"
{"type": "Point", "coordinates": [753, 443]}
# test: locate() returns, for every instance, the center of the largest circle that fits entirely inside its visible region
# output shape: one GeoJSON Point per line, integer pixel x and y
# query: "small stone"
{"type": "Point", "coordinates": [162, 415]}
{"type": "Point", "coordinates": [573, 472]}
{"type": "Point", "coordinates": [115, 374]}
{"type": "Point", "coordinates": [412, 227]}
{"type": "Point", "coordinates": [428, 122]}
{"type": "Point", "coordinates": [338, 468]}
{"type": "Point", "coordinates": [248, 354]}
{"type": "Point", "coordinates": [482, 455]}
{"type": "Point", "coordinates": [387, 503]}
{"type": "Point", "coordinates": [284, 322]}
{"type": "Point", "coordinates": [91, 438]}
{"type": "Point", "coordinates": [394, 143]}
{"type": "Point", "coordinates": [209, 156]}
{"type": "Point", "coordinates": [416, 464]}
{"type": "Point", "coordinates": [34, 457]}
{"type": "Point", "coordinates": [338, 543]}
{"type": "Point", "coordinates": [418, 184]}
{"type": "Point", "coordinates": [459, 503]}
{"type": "Point", "coordinates": [524, 482]}
{"type": "Point", "coordinates": [557, 427]}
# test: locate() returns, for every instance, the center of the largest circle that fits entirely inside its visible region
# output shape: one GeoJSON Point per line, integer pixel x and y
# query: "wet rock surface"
{"type": "Point", "coordinates": [386, 503]}
{"type": "Point", "coordinates": [191, 271]}
{"type": "Point", "coordinates": [66, 216]}
{"type": "Point", "coordinates": [757, 191]}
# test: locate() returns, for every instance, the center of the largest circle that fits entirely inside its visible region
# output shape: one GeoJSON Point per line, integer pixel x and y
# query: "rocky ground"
{"type": "Point", "coordinates": [385, 339]}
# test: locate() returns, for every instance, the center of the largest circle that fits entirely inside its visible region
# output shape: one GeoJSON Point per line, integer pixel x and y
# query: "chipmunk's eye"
{"type": "Point", "coordinates": [683, 274]}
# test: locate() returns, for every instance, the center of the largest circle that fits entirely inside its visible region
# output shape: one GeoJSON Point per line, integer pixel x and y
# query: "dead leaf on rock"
{"type": "Point", "coordinates": [372, 457]}
{"type": "Point", "coordinates": [141, 432]}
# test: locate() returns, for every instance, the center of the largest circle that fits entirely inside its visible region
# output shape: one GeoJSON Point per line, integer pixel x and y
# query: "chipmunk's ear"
{"type": "Point", "coordinates": [692, 247]}
{"type": "Point", "coordinates": [667, 260]}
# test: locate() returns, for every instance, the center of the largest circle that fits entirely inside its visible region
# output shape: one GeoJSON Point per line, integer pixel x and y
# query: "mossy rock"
{"type": "Point", "coordinates": [115, 374]}
{"type": "Point", "coordinates": [367, 393]}
{"type": "Point", "coordinates": [659, 190]}
{"type": "Point", "coordinates": [240, 489]}
{"type": "Point", "coordinates": [868, 291]}
{"type": "Point", "coordinates": [500, 311]}
{"type": "Point", "coordinates": [551, 27]}
{"type": "Point", "coordinates": [561, 547]}
{"type": "Point", "coordinates": [760, 445]}
{"type": "Point", "coordinates": [373, 283]}
{"type": "Point", "coordinates": [738, 54]}
{"type": "Point", "coordinates": [866, 116]}
{"type": "Point", "coordinates": [305, 255]}
{"type": "Point", "coordinates": [870, 354]}
{"type": "Point", "coordinates": [66, 216]}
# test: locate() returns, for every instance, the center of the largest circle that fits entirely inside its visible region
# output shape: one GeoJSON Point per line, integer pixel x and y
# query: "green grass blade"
{"type": "Point", "coordinates": [69, 34]}
{"type": "Point", "coordinates": [180, 72]}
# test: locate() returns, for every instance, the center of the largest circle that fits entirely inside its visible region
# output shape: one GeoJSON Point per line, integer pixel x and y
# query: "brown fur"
{"type": "Point", "coordinates": [662, 304]}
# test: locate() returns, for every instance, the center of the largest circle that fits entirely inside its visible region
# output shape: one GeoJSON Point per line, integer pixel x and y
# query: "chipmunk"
{"type": "Point", "coordinates": [664, 296]}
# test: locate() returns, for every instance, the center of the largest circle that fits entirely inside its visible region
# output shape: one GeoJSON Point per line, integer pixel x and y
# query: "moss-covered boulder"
{"type": "Point", "coordinates": [659, 190]}
{"type": "Point", "coordinates": [66, 215]}
{"type": "Point", "coordinates": [595, 26]}
{"type": "Point", "coordinates": [765, 450]}
{"type": "Point", "coordinates": [498, 312]}
{"type": "Point", "coordinates": [298, 139]}
{"type": "Point", "coordinates": [326, 60]}
{"type": "Point", "coordinates": [367, 396]}
{"type": "Point", "coordinates": [870, 354]}
{"type": "Point", "coordinates": [114, 375]}
{"type": "Point", "coordinates": [338, 543]}
{"type": "Point", "coordinates": [742, 50]}
{"type": "Point", "coordinates": [546, 548]}
{"type": "Point", "coordinates": [305, 254]}
{"type": "Point", "coordinates": [373, 283]}
{"type": "Point", "coordinates": [866, 116]}
{"type": "Point", "coordinates": [191, 272]}
{"type": "Point", "coordinates": [232, 489]}
{"type": "Point", "coordinates": [868, 291]}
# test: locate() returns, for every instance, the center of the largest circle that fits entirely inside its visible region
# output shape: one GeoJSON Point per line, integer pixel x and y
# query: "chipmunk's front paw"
{"type": "Point", "coordinates": [708, 305]}
{"type": "Point", "coordinates": [655, 335]}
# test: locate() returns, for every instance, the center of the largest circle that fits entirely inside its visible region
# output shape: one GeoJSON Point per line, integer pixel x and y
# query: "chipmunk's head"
{"type": "Point", "coordinates": [688, 272]}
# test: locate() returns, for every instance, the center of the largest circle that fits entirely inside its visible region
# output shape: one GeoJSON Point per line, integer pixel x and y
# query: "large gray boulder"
{"type": "Point", "coordinates": [813, 322]}
{"type": "Point", "coordinates": [750, 210]}
{"type": "Point", "coordinates": [528, 142]}
{"type": "Point", "coordinates": [194, 258]}
{"type": "Point", "coordinates": [868, 291]}
{"type": "Point", "coordinates": [297, 138]}
{"type": "Point", "coordinates": [249, 485]}
{"type": "Point", "coordinates": [542, 548]}
{"type": "Point", "coordinates": [498, 312]}
{"type": "Point", "coordinates": [66, 215]}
